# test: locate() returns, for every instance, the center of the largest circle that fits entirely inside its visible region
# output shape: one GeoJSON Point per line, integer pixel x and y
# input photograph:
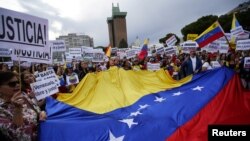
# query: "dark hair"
{"type": "Point", "coordinates": [6, 76]}
{"type": "Point", "coordinates": [23, 84]}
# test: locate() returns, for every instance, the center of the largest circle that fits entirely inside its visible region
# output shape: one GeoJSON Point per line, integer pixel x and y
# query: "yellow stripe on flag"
{"type": "Point", "coordinates": [115, 88]}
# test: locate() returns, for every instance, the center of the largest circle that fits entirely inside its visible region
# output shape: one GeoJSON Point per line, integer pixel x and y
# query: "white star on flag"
{"type": "Point", "coordinates": [159, 99]}
{"type": "Point", "coordinates": [143, 106]}
{"type": "Point", "coordinates": [129, 122]}
{"type": "Point", "coordinates": [113, 138]}
{"type": "Point", "coordinates": [198, 88]}
{"type": "Point", "coordinates": [177, 94]}
{"type": "Point", "coordinates": [135, 113]}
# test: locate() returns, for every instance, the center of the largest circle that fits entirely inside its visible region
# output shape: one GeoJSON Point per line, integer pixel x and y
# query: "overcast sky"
{"type": "Point", "coordinates": [151, 19]}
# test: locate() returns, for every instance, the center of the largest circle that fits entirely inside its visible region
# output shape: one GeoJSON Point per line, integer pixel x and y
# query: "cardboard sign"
{"type": "Point", "coordinates": [44, 88]}
{"type": "Point", "coordinates": [98, 57]}
{"type": "Point", "coordinates": [243, 45]}
{"type": "Point", "coordinates": [41, 76]}
{"type": "Point", "coordinates": [153, 66]}
{"type": "Point", "coordinates": [130, 53]}
{"type": "Point", "coordinates": [160, 50]}
{"type": "Point", "coordinates": [171, 41]}
{"type": "Point", "coordinates": [237, 31]}
{"type": "Point", "coordinates": [72, 79]}
{"type": "Point", "coordinates": [5, 52]}
{"type": "Point", "coordinates": [26, 35]}
{"type": "Point", "coordinates": [188, 46]}
{"type": "Point", "coordinates": [215, 64]}
{"type": "Point", "coordinates": [247, 63]}
{"type": "Point", "coordinates": [192, 36]}
{"type": "Point", "coordinates": [77, 52]}
{"type": "Point", "coordinates": [57, 45]}
{"type": "Point", "coordinates": [170, 50]}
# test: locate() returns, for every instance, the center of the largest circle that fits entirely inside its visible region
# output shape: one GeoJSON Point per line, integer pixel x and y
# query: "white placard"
{"type": "Point", "coordinates": [130, 53]}
{"type": "Point", "coordinates": [242, 36]}
{"type": "Point", "coordinates": [50, 73]}
{"type": "Point", "coordinates": [98, 57]}
{"type": "Point", "coordinates": [213, 47]}
{"type": "Point", "coordinates": [88, 54]}
{"type": "Point", "coordinates": [5, 52]}
{"type": "Point", "coordinates": [86, 48]}
{"type": "Point", "coordinates": [170, 50]}
{"type": "Point", "coordinates": [137, 49]}
{"type": "Point", "coordinates": [44, 88]}
{"type": "Point", "coordinates": [153, 66]}
{"type": "Point", "coordinates": [57, 45]}
{"type": "Point", "coordinates": [160, 50]}
{"type": "Point", "coordinates": [188, 46]}
{"type": "Point", "coordinates": [77, 52]}
{"type": "Point", "coordinates": [72, 79]}
{"type": "Point", "coordinates": [237, 31]}
{"type": "Point", "coordinates": [121, 55]}
{"type": "Point", "coordinates": [171, 41]}
{"type": "Point", "coordinates": [243, 45]}
{"type": "Point", "coordinates": [24, 32]}
{"type": "Point", "coordinates": [215, 64]}
{"type": "Point", "coordinates": [223, 48]}
{"type": "Point", "coordinates": [247, 63]}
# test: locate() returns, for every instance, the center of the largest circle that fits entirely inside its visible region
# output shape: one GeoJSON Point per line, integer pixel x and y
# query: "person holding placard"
{"type": "Point", "coordinates": [17, 120]}
{"type": "Point", "coordinates": [26, 79]}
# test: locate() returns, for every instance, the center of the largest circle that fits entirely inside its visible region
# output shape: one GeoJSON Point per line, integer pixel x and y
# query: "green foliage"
{"type": "Point", "coordinates": [225, 21]}
{"type": "Point", "coordinates": [198, 26]}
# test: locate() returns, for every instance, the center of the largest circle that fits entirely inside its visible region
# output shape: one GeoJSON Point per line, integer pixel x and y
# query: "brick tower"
{"type": "Point", "coordinates": [117, 28]}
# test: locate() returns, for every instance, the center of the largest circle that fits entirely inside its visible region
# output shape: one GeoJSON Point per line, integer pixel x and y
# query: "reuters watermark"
{"type": "Point", "coordinates": [235, 132]}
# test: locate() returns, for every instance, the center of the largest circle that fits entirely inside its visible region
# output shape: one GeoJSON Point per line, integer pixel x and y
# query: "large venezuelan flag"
{"type": "Point", "coordinates": [146, 106]}
{"type": "Point", "coordinates": [211, 34]}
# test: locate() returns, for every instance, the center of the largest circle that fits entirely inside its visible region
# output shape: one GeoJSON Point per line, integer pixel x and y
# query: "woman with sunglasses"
{"type": "Point", "coordinates": [17, 121]}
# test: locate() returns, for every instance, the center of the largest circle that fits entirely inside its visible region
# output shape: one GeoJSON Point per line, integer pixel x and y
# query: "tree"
{"type": "Point", "coordinates": [225, 21]}
{"type": "Point", "coordinates": [163, 40]}
{"type": "Point", "coordinates": [198, 26]}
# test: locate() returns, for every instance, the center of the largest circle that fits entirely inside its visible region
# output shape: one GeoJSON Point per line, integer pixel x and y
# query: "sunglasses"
{"type": "Point", "coordinates": [13, 84]}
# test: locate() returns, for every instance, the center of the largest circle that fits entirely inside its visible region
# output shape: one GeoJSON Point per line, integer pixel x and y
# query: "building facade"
{"type": "Point", "coordinates": [117, 28]}
{"type": "Point", "coordinates": [76, 40]}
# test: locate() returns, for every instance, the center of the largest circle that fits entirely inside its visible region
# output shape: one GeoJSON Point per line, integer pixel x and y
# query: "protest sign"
{"type": "Point", "coordinates": [243, 44]}
{"type": "Point", "coordinates": [42, 76]}
{"type": "Point", "coordinates": [98, 57]}
{"type": "Point", "coordinates": [171, 41]}
{"type": "Point", "coordinates": [247, 63]}
{"type": "Point", "coordinates": [72, 79]}
{"type": "Point", "coordinates": [170, 50]}
{"type": "Point", "coordinates": [26, 35]}
{"type": "Point", "coordinates": [57, 45]}
{"type": "Point", "coordinates": [215, 64]}
{"type": "Point", "coordinates": [153, 66]}
{"type": "Point", "coordinates": [5, 52]}
{"type": "Point", "coordinates": [188, 46]}
{"type": "Point", "coordinates": [44, 88]}
{"type": "Point", "coordinates": [130, 53]}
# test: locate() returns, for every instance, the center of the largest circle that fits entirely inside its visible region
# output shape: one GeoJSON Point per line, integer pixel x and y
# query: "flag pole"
{"type": "Point", "coordinates": [229, 44]}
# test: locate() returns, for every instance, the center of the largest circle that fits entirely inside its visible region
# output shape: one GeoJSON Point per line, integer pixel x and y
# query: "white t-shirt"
{"type": "Point", "coordinates": [207, 66]}
{"type": "Point", "coordinates": [193, 62]}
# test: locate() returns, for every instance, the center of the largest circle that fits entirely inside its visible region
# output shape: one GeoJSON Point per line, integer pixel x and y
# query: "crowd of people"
{"type": "Point", "coordinates": [20, 112]}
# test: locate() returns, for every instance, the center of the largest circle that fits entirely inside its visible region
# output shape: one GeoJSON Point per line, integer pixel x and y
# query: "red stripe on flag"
{"type": "Point", "coordinates": [211, 39]}
{"type": "Point", "coordinates": [230, 106]}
